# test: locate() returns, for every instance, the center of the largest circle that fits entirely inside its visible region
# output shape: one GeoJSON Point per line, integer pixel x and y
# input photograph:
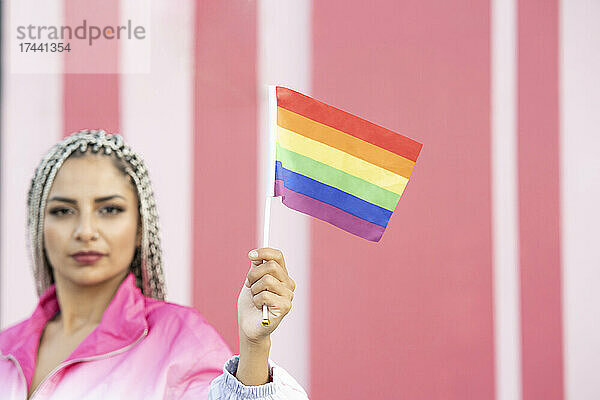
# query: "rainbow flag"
{"type": "Point", "coordinates": [338, 167]}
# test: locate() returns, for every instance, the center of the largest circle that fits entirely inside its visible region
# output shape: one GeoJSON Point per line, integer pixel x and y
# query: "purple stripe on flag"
{"type": "Point", "coordinates": [328, 213]}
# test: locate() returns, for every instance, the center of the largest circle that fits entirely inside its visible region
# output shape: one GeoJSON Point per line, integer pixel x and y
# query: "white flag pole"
{"type": "Point", "coordinates": [270, 174]}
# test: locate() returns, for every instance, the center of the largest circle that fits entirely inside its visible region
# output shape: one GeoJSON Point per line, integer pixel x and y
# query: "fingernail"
{"type": "Point", "coordinates": [253, 254]}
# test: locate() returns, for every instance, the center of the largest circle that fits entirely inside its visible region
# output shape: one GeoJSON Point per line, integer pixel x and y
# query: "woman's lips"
{"type": "Point", "coordinates": [87, 258]}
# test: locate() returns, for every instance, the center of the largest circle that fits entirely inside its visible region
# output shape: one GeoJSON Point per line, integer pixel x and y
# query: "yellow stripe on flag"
{"type": "Point", "coordinates": [340, 160]}
{"type": "Point", "coordinates": [345, 142]}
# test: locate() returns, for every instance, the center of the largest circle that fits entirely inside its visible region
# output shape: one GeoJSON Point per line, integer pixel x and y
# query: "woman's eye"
{"type": "Point", "coordinates": [111, 210]}
{"type": "Point", "coordinates": [60, 211]}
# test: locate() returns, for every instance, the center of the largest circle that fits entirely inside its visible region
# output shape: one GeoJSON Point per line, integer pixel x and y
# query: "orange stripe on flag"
{"type": "Point", "coordinates": [344, 142]}
{"type": "Point", "coordinates": [348, 123]}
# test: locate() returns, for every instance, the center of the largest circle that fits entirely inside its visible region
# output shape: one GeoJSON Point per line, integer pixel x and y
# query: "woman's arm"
{"type": "Point", "coordinates": [251, 375]}
{"type": "Point", "coordinates": [253, 367]}
{"type": "Point", "coordinates": [283, 387]}
{"type": "Point", "coordinates": [267, 283]}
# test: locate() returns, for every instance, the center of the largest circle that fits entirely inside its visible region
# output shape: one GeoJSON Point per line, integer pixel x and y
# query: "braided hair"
{"type": "Point", "coordinates": [147, 261]}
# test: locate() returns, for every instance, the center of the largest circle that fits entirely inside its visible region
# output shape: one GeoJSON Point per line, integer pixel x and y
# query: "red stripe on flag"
{"type": "Point", "coordinates": [348, 123]}
{"type": "Point", "coordinates": [410, 317]}
{"type": "Point", "coordinates": [539, 213]}
{"type": "Point", "coordinates": [91, 100]}
{"type": "Point", "coordinates": [225, 139]}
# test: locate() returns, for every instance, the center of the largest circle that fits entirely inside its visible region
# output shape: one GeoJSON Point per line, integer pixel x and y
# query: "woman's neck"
{"type": "Point", "coordinates": [83, 306]}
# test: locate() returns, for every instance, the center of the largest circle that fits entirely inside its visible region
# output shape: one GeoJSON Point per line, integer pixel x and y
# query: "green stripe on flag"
{"type": "Point", "coordinates": [336, 178]}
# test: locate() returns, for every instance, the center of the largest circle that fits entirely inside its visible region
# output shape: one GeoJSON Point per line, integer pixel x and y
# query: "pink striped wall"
{"type": "Point", "coordinates": [539, 210]}
{"type": "Point", "coordinates": [31, 123]}
{"type": "Point", "coordinates": [410, 317]}
{"type": "Point", "coordinates": [91, 100]}
{"type": "Point", "coordinates": [580, 195]}
{"type": "Point", "coordinates": [224, 152]}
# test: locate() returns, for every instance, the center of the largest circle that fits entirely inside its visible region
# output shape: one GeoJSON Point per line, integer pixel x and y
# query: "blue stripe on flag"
{"type": "Point", "coordinates": [333, 196]}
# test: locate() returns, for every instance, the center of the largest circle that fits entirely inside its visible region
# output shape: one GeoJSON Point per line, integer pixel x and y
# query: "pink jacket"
{"type": "Point", "coordinates": [142, 349]}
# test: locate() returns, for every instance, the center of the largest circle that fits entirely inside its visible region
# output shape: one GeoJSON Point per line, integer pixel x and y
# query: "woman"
{"type": "Point", "coordinates": [101, 329]}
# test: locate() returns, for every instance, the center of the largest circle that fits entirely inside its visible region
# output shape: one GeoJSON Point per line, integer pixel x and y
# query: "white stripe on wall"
{"type": "Point", "coordinates": [507, 332]}
{"type": "Point", "coordinates": [580, 190]}
{"type": "Point", "coordinates": [156, 119]}
{"type": "Point", "coordinates": [32, 121]}
{"type": "Point", "coordinates": [284, 58]}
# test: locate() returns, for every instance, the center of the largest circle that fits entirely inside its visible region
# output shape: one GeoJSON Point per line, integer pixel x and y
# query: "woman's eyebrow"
{"type": "Point", "coordinates": [97, 200]}
{"type": "Point", "coordinates": [101, 199]}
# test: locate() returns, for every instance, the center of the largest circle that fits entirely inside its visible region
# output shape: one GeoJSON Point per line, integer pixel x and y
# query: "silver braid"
{"type": "Point", "coordinates": [147, 261]}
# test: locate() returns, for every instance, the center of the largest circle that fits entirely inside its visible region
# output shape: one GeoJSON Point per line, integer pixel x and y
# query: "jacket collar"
{"type": "Point", "coordinates": [123, 322]}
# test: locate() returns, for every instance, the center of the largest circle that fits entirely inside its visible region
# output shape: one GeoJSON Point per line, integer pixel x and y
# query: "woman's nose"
{"type": "Point", "coordinates": [86, 229]}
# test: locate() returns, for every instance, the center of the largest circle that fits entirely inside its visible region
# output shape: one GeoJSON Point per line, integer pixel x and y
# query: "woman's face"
{"type": "Point", "coordinates": [92, 206]}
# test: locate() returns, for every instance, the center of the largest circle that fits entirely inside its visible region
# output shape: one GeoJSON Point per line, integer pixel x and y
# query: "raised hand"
{"type": "Point", "coordinates": [267, 283]}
